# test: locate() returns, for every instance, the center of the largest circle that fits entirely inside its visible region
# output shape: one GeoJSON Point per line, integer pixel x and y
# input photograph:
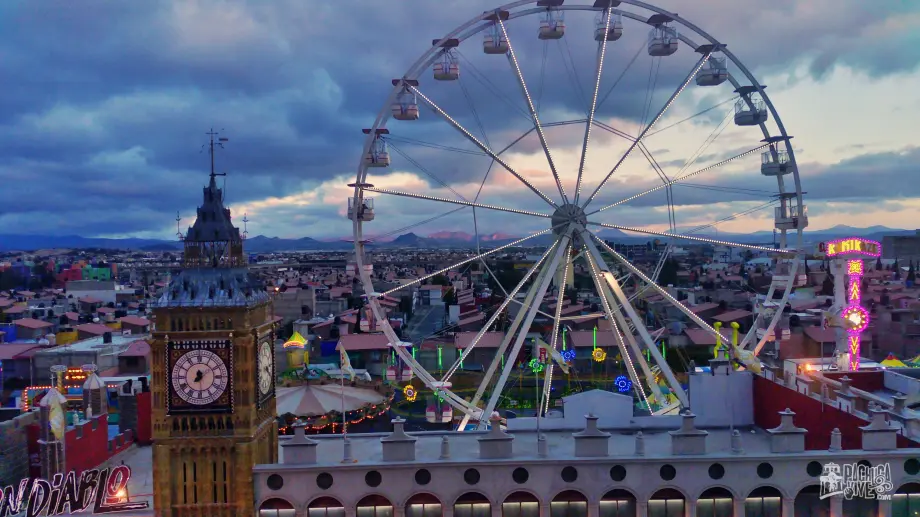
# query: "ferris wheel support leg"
{"type": "Point", "coordinates": [508, 299]}
{"type": "Point", "coordinates": [548, 376]}
{"type": "Point", "coordinates": [681, 307]}
{"type": "Point", "coordinates": [540, 292]}
{"type": "Point", "coordinates": [617, 323]}
{"type": "Point", "coordinates": [509, 335]}
{"type": "Point", "coordinates": [640, 326]}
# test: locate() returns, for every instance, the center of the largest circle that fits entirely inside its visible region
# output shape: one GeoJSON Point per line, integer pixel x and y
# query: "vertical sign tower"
{"type": "Point", "coordinates": [847, 267]}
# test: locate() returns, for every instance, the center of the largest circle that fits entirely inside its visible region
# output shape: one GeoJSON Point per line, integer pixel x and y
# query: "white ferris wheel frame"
{"type": "Point", "coordinates": [617, 307]}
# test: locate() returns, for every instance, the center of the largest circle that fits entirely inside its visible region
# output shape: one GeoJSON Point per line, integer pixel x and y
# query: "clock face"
{"type": "Point", "coordinates": [266, 371]}
{"type": "Point", "coordinates": [200, 377]}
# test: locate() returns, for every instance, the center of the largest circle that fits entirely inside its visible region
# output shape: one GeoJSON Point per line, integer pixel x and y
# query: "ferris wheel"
{"type": "Point", "coordinates": [442, 104]}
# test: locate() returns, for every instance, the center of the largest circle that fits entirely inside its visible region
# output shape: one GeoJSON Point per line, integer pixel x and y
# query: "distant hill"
{"type": "Point", "coordinates": [443, 239]}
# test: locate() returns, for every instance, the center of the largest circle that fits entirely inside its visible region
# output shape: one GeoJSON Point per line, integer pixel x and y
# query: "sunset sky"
{"type": "Point", "coordinates": [105, 106]}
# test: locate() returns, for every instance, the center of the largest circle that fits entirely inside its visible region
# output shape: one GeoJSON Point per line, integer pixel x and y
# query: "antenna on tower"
{"type": "Point", "coordinates": [245, 226]}
{"type": "Point", "coordinates": [210, 145]}
{"type": "Point", "coordinates": [179, 227]}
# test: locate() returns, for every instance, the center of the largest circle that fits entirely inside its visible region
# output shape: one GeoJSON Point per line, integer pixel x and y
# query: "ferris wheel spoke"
{"type": "Point", "coordinates": [704, 240]}
{"type": "Point", "coordinates": [621, 332]}
{"type": "Point", "coordinates": [637, 322]}
{"type": "Point", "coordinates": [636, 271]}
{"type": "Point", "coordinates": [512, 58]}
{"type": "Point", "coordinates": [650, 125]}
{"type": "Point", "coordinates": [464, 262]}
{"type": "Point", "coordinates": [450, 120]}
{"type": "Point", "coordinates": [539, 294]}
{"type": "Point", "coordinates": [681, 179]}
{"type": "Point", "coordinates": [455, 202]}
{"type": "Point", "coordinates": [601, 51]}
{"type": "Point", "coordinates": [509, 297]}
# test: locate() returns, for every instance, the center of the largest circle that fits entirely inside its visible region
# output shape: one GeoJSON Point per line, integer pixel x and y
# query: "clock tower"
{"type": "Point", "coordinates": [213, 378]}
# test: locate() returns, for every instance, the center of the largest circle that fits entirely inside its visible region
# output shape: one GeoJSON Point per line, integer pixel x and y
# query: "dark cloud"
{"type": "Point", "coordinates": [105, 104]}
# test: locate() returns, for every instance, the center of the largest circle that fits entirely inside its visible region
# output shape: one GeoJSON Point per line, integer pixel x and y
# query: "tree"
{"type": "Point", "coordinates": [440, 280]}
{"type": "Point", "coordinates": [827, 287]}
{"type": "Point", "coordinates": [878, 264]}
{"type": "Point", "coordinates": [748, 255]}
{"type": "Point", "coordinates": [405, 306]}
{"type": "Point", "coordinates": [450, 297]}
{"type": "Point", "coordinates": [897, 269]}
{"type": "Point", "coordinates": [572, 295]}
{"type": "Point", "coordinates": [668, 275]}
{"type": "Point", "coordinates": [911, 276]}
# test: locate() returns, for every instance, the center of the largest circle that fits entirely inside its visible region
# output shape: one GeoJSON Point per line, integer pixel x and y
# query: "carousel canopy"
{"type": "Point", "coordinates": [318, 400]}
{"type": "Point", "coordinates": [893, 362]}
{"type": "Point", "coordinates": [296, 341]}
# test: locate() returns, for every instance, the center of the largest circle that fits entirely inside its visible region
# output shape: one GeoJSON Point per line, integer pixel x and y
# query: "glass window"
{"type": "Point", "coordinates": [714, 507]}
{"type": "Point", "coordinates": [472, 510]}
{"type": "Point", "coordinates": [763, 507]}
{"type": "Point", "coordinates": [276, 513]}
{"type": "Point", "coordinates": [326, 512]}
{"type": "Point", "coordinates": [568, 509]}
{"type": "Point", "coordinates": [666, 508]}
{"type": "Point", "coordinates": [525, 509]}
{"type": "Point", "coordinates": [905, 504]}
{"type": "Point", "coordinates": [375, 511]}
{"type": "Point", "coordinates": [424, 510]}
{"type": "Point", "coordinates": [617, 508]}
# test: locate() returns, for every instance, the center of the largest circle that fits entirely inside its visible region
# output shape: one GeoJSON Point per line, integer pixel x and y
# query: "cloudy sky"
{"type": "Point", "coordinates": [104, 108]}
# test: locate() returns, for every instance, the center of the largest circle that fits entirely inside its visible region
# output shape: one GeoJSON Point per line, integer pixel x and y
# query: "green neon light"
{"type": "Point", "coordinates": [595, 337]}
{"type": "Point", "coordinates": [664, 351]}
{"type": "Point", "coordinates": [440, 362]}
{"type": "Point", "coordinates": [413, 352]}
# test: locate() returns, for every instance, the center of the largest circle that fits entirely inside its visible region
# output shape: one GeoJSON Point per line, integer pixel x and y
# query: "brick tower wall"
{"type": "Point", "coordinates": [14, 454]}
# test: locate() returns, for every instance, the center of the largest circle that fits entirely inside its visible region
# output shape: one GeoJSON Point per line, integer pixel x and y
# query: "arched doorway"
{"type": "Point", "coordinates": [521, 504]}
{"type": "Point", "coordinates": [374, 506]}
{"type": "Point", "coordinates": [808, 503]}
{"type": "Point", "coordinates": [618, 503]}
{"type": "Point", "coordinates": [423, 505]}
{"type": "Point", "coordinates": [570, 503]}
{"type": "Point", "coordinates": [325, 507]}
{"type": "Point", "coordinates": [472, 504]}
{"type": "Point", "coordinates": [861, 507]}
{"type": "Point", "coordinates": [906, 501]}
{"type": "Point", "coordinates": [666, 502]}
{"type": "Point", "coordinates": [276, 507]}
{"type": "Point", "coordinates": [715, 502]}
{"type": "Point", "coordinates": [764, 501]}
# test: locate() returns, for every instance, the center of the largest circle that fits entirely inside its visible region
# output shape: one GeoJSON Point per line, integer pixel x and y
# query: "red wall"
{"type": "Point", "coordinates": [144, 419]}
{"type": "Point", "coordinates": [771, 398]}
{"type": "Point", "coordinates": [867, 381]}
{"type": "Point", "coordinates": [86, 451]}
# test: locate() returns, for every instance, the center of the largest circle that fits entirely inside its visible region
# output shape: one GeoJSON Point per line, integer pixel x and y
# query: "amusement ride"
{"type": "Point", "coordinates": [577, 204]}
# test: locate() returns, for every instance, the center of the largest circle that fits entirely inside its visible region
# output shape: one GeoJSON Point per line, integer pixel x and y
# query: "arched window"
{"type": "Point", "coordinates": [618, 503]}
{"type": "Point", "coordinates": [374, 506]}
{"type": "Point", "coordinates": [808, 503]}
{"type": "Point", "coordinates": [472, 504]}
{"type": "Point", "coordinates": [423, 505]}
{"type": "Point", "coordinates": [325, 507]}
{"type": "Point", "coordinates": [570, 503]}
{"type": "Point", "coordinates": [764, 501]}
{"type": "Point", "coordinates": [521, 504]}
{"type": "Point", "coordinates": [906, 501]}
{"type": "Point", "coordinates": [666, 502]}
{"type": "Point", "coordinates": [715, 502]}
{"type": "Point", "coordinates": [276, 507]}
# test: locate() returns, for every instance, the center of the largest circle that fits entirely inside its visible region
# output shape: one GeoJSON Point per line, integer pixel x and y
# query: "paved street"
{"type": "Point", "coordinates": [425, 322]}
{"type": "Point", "coordinates": [140, 486]}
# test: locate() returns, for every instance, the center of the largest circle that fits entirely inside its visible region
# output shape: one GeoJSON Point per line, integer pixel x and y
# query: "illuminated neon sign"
{"type": "Point", "coordinates": [855, 317]}
{"type": "Point", "coordinates": [850, 246]}
{"type": "Point", "coordinates": [103, 490]}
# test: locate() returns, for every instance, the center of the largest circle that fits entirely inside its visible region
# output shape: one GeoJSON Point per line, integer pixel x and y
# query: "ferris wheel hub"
{"type": "Point", "coordinates": [565, 217]}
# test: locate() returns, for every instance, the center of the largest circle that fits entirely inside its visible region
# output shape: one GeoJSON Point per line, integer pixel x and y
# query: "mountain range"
{"type": "Point", "coordinates": [441, 239]}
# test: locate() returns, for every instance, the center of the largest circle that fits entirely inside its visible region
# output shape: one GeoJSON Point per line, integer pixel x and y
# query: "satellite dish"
{"type": "Point", "coordinates": [95, 320]}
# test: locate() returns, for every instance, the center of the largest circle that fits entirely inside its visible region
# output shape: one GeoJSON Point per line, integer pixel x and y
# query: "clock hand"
{"type": "Point", "coordinates": [198, 375]}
